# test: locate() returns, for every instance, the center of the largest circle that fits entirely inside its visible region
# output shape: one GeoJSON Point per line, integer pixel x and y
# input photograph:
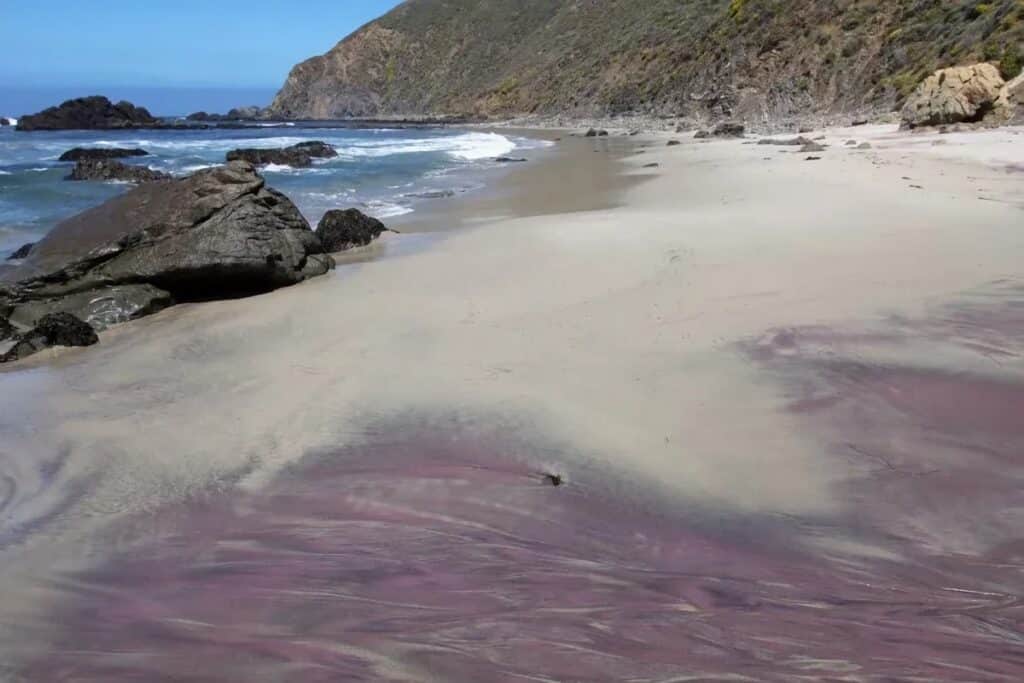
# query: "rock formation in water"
{"type": "Point", "coordinates": [752, 60]}
{"type": "Point", "coordinates": [218, 233]}
{"type": "Point", "coordinates": [109, 169]}
{"type": "Point", "coordinates": [89, 113]}
{"type": "Point", "coordinates": [300, 155]}
{"type": "Point", "coordinates": [92, 153]}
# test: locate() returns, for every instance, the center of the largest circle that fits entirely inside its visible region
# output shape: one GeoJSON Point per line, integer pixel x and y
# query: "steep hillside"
{"type": "Point", "coordinates": [759, 59]}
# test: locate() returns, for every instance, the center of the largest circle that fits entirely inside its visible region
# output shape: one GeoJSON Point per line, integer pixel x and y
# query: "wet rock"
{"type": "Point", "coordinates": [342, 229]}
{"type": "Point", "coordinates": [296, 156]}
{"type": "Point", "coordinates": [510, 160]}
{"type": "Point", "coordinates": [109, 169]}
{"type": "Point", "coordinates": [595, 133]}
{"type": "Point", "coordinates": [89, 113]}
{"type": "Point", "coordinates": [21, 252]}
{"type": "Point", "coordinates": [55, 329]}
{"type": "Point", "coordinates": [218, 233]}
{"type": "Point", "coordinates": [960, 94]}
{"type": "Point", "coordinates": [97, 153]}
{"type": "Point", "coordinates": [553, 479]}
{"type": "Point", "coordinates": [4, 121]}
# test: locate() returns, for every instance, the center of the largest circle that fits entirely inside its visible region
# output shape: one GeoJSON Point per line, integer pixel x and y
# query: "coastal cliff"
{"type": "Point", "coordinates": [755, 59]}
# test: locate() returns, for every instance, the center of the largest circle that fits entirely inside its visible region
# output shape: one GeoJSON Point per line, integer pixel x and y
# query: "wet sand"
{"type": "Point", "coordinates": [786, 399]}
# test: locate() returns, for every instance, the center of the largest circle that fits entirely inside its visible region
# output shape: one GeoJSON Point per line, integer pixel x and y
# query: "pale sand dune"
{"type": "Point", "coordinates": [614, 335]}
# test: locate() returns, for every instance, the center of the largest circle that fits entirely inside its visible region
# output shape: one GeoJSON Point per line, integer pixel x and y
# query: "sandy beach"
{"type": "Point", "coordinates": [785, 396]}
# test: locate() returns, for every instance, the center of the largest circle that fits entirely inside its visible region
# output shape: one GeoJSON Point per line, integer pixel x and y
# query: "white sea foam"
{"type": "Point", "coordinates": [465, 147]}
{"type": "Point", "coordinates": [380, 209]}
{"type": "Point", "coordinates": [276, 168]}
{"type": "Point", "coordinates": [2, 172]}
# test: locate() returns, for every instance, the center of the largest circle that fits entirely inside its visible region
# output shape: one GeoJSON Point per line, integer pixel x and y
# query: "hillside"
{"type": "Point", "coordinates": [757, 59]}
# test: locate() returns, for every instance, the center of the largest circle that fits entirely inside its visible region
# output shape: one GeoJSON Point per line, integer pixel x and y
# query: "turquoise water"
{"type": "Point", "coordinates": [384, 172]}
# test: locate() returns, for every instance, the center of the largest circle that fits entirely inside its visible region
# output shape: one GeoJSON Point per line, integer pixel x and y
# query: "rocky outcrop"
{"type": "Point", "coordinates": [341, 229]}
{"type": "Point", "coordinates": [961, 94]}
{"type": "Point", "coordinates": [21, 252]}
{"type": "Point", "coordinates": [296, 156]}
{"type": "Point", "coordinates": [218, 233]}
{"type": "Point", "coordinates": [4, 121]}
{"type": "Point", "coordinates": [108, 169]}
{"type": "Point", "coordinates": [252, 113]}
{"type": "Point", "coordinates": [89, 113]}
{"type": "Point", "coordinates": [93, 153]}
{"type": "Point", "coordinates": [54, 329]}
{"type": "Point", "coordinates": [205, 117]}
{"type": "Point", "coordinates": [728, 129]}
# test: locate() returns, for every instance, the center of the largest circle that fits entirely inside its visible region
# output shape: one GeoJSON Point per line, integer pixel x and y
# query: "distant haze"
{"type": "Point", "coordinates": [167, 101]}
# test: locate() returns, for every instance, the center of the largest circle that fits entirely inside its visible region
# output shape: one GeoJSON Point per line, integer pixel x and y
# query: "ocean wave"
{"type": "Point", "coordinates": [381, 209]}
{"type": "Point", "coordinates": [3, 172]}
{"type": "Point", "coordinates": [465, 147]}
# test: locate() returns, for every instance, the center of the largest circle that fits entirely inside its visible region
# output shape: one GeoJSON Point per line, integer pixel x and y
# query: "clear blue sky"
{"type": "Point", "coordinates": [201, 48]}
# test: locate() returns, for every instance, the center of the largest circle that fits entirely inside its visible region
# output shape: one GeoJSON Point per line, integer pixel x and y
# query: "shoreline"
{"type": "Point", "coordinates": [737, 342]}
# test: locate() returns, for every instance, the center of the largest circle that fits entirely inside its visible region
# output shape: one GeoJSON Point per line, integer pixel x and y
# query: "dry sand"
{"type": "Point", "coordinates": [651, 348]}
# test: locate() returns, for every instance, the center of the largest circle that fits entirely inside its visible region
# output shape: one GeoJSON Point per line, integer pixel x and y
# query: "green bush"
{"type": "Point", "coordinates": [1010, 65]}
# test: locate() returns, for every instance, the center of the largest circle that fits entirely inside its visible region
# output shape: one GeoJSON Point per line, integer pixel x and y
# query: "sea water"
{"type": "Point", "coordinates": [384, 172]}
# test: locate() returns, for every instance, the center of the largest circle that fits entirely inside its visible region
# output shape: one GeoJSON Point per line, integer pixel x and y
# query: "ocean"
{"type": "Point", "coordinates": [384, 172]}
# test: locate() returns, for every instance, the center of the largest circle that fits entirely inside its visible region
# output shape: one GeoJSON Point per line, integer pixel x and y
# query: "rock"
{"type": "Point", "coordinates": [801, 140]}
{"type": "Point", "coordinates": [864, 145]}
{"type": "Point", "coordinates": [204, 117]}
{"type": "Point", "coordinates": [805, 129]}
{"type": "Point", "coordinates": [812, 158]}
{"type": "Point", "coordinates": [251, 113]}
{"type": "Point", "coordinates": [7, 330]}
{"type": "Point", "coordinates": [595, 133]}
{"type": "Point", "coordinates": [100, 308]}
{"type": "Point", "coordinates": [344, 229]}
{"type": "Point", "coordinates": [701, 134]}
{"type": "Point", "coordinates": [672, 143]}
{"type": "Point", "coordinates": [21, 252]}
{"type": "Point", "coordinates": [510, 160]}
{"type": "Point", "coordinates": [218, 233]}
{"type": "Point", "coordinates": [959, 94]}
{"type": "Point", "coordinates": [296, 156]}
{"type": "Point", "coordinates": [812, 147]}
{"type": "Point", "coordinates": [89, 113]}
{"type": "Point", "coordinates": [4, 121]}
{"type": "Point", "coordinates": [859, 122]}
{"type": "Point", "coordinates": [55, 329]}
{"type": "Point", "coordinates": [553, 479]}
{"type": "Point", "coordinates": [729, 130]}
{"type": "Point", "coordinates": [654, 165]}
{"type": "Point", "coordinates": [108, 169]}
{"type": "Point", "coordinates": [851, 143]}
{"type": "Point", "coordinates": [94, 153]}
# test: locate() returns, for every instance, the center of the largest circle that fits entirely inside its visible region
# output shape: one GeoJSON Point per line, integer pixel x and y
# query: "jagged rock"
{"type": "Point", "coordinates": [344, 229]}
{"type": "Point", "coordinates": [296, 156]}
{"type": "Point", "coordinates": [21, 252]}
{"type": "Point", "coordinates": [959, 94]}
{"type": "Point", "coordinates": [729, 129]}
{"type": "Point", "coordinates": [108, 169]}
{"type": "Point", "coordinates": [55, 329]}
{"type": "Point", "coordinates": [218, 233]}
{"type": "Point", "coordinates": [94, 153]}
{"type": "Point", "coordinates": [89, 113]}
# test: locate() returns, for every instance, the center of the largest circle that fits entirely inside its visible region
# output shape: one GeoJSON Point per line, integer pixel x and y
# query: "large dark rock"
{"type": "Point", "coordinates": [108, 169]}
{"type": "Point", "coordinates": [344, 229]}
{"type": "Point", "coordinates": [21, 252]}
{"type": "Point", "coordinates": [89, 113]}
{"type": "Point", "coordinates": [296, 156]}
{"type": "Point", "coordinates": [7, 330]}
{"type": "Point", "coordinates": [93, 153]}
{"type": "Point", "coordinates": [205, 117]}
{"type": "Point", "coordinates": [4, 121]}
{"type": "Point", "coordinates": [55, 329]}
{"type": "Point", "coordinates": [251, 113]}
{"type": "Point", "coordinates": [215, 234]}
{"type": "Point", "coordinates": [728, 129]}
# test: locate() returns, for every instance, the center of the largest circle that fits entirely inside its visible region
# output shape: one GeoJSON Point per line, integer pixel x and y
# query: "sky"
{"type": "Point", "coordinates": [181, 55]}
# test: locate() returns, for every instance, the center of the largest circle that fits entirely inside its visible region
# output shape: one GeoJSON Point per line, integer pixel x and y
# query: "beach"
{"type": "Point", "coordinates": [776, 391]}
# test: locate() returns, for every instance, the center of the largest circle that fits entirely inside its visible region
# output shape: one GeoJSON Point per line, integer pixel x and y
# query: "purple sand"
{"type": "Point", "coordinates": [434, 558]}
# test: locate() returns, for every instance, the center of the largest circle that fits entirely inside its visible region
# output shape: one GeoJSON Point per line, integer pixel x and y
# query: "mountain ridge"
{"type": "Point", "coordinates": [751, 59]}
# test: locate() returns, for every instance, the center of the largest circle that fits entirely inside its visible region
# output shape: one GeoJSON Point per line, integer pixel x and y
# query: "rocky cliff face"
{"type": "Point", "coordinates": [759, 59]}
